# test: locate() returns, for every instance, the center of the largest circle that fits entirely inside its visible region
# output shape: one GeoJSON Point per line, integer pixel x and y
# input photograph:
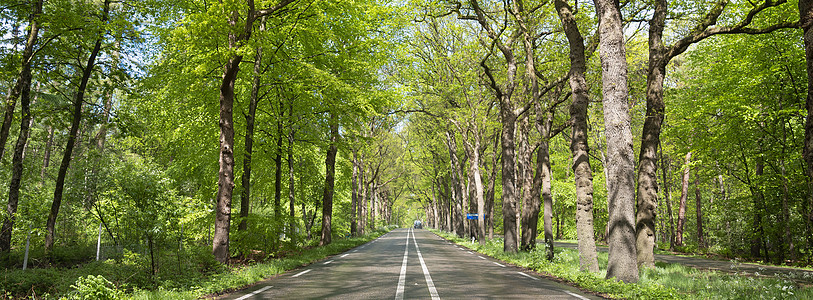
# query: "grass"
{"type": "Point", "coordinates": [664, 281]}
{"type": "Point", "coordinates": [126, 278]}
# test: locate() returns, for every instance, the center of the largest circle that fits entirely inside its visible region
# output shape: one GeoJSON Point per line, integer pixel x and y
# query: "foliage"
{"type": "Point", "coordinates": [665, 281]}
{"type": "Point", "coordinates": [200, 275]}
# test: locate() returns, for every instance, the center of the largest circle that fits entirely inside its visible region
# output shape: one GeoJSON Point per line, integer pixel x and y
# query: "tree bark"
{"type": "Point", "coordinates": [23, 86]}
{"type": "Point", "coordinates": [622, 263]}
{"type": "Point", "coordinates": [806, 22]}
{"type": "Point", "coordinates": [354, 194]}
{"type": "Point", "coordinates": [291, 189]}
{"type": "Point", "coordinates": [77, 118]}
{"type": "Point", "coordinates": [330, 172]}
{"type": "Point", "coordinates": [684, 195]}
{"type": "Point", "coordinates": [245, 196]}
{"type": "Point", "coordinates": [579, 148]}
{"type": "Point", "coordinates": [457, 186]}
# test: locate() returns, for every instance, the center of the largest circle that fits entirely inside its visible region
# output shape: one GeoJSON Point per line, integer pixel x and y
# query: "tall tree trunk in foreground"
{"type": "Point", "coordinates": [659, 57]}
{"type": "Point", "coordinates": [23, 86]}
{"type": "Point", "coordinates": [622, 263]}
{"type": "Point", "coordinates": [684, 195]}
{"type": "Point", "coordinates": [806, 22]}
{"type": "Point", "coordinates": [77, 118]}
{"type": "Point", "coordinates": [583, 174]}
{"type": "Point", "coordinates": [508, 118]}
{"type": "Point", "coordinates": [225, 181]}
{"type": "Point", "coordinates": [245, 196]}
{"type": "Point", "coordinates": [330, 172]}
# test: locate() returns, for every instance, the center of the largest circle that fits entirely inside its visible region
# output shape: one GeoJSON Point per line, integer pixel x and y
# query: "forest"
{"type": "Point", "coordinates": [144, 139]}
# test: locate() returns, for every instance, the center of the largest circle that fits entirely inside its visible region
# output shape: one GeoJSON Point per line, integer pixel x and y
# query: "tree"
{"type": "Point", "coordinates": [330, 175]}
{"type": "Point", "coordinates": [78, 101]}
{"type": "Point", "coordinates": [583, 174]}
{"type": "Point", "coordinates": [806, 22]}
{"type": "Point", "coordinates": [659, 57]}
{"type": "Point", "coordinates": [622, 263]}
{"type": "Point", "coordinates": [237, 37]}
{"type": "Point", "coordinates": [23, 87]}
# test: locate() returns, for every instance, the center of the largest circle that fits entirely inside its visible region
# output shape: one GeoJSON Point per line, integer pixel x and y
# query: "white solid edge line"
{"type": "Point", "coordinates": [529, 276]}
{"type": "Point", "coordinates": [499, 264]}
{"type": "Point", "coordinates": [399, 292]}
{"type": "Point", "coordinates": [301, 273]}
{"type": "Point", "coordinates": [576, 295]}
{"type": "Point", "coordinates": [246, 296]}
{"type": "Point", "coordinates": [431, 284]}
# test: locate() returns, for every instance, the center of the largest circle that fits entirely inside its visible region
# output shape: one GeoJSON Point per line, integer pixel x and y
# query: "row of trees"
{"type": "Point", "coordinates": [489, 61]}
{"type": "Point", "coordinates": [485, 107]}
{"type": "Point", "coordinates": [128, 89]}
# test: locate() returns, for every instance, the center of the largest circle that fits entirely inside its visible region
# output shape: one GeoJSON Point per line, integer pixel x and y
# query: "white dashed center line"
{"type": "Point", "coordinates": [345, 255]}
{"type": "Point", "coordinates": [301, 273]}
{"type": "Point", "coordinates": [496, 263]}
{"type": "Point", "coordinates": [327, 262]}
{"type": "Point", "coordinates": [576, 295]}
{"type": "Point", "coordinates": [481, 257]}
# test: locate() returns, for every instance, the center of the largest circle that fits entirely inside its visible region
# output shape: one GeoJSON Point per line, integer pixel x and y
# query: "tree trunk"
{"type": "Point", "coordinates": [529, 195]}
{"type": "Point", "coordinates": [330, 172]}
{"type": "Point", "coordinates": [758, 241]}
{"type": "Point", "coordinates": [583, 174]}
{"type": "Point", "coordinates": [668, 199]}
{"type": "Point", "coordinates": [490, 190]}
{"type": "Point", "coordinates": [622, 263]}
{"type": "Point", "coordinates": [245, 196]}
{"type": "Point", "coordinates": [650, 140]}
{"type": "Point", "coordinates": [291, 190]}
{"type": "Point", "coordinates": [46, 160]}
{"type": "Point", "coordinates": [278, 167]}
{"type": "Point", "coordinates": [24, 89]}
{"type": "Point", "coordinates": [77, 118]}
{"type": "Point", "coordinates": [684, 195]}
{"type": "Point", "coordinates": [806, 22]}
{"type": "Point", "coordinates": [354, 198]}
{"type": "Point", "coordinates": [701, 241]}
{"type": "Point", "coordinates": [457, 186]}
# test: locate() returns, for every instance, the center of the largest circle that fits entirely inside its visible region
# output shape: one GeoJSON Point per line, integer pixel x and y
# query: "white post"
{"type": "Point", "coordinates": [99, 242]}
{"type": "Point", "coordinates": [27, 243]}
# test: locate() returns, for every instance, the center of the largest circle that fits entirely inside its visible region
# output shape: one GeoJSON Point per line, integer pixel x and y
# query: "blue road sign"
{"type": "Point", "coordinates": [471, 216]}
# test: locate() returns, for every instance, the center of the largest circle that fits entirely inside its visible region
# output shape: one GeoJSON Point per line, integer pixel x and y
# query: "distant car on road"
{"type": "Point", "coordinates": [418, 224]}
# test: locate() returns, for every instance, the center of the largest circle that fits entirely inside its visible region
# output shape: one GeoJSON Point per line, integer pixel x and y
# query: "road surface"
{"type": "Point", "coordinates": [409, 264]}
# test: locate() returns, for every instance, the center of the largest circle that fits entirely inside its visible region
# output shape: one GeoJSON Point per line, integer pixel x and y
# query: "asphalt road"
{"type": "Point", "coordinates": [409, 264]}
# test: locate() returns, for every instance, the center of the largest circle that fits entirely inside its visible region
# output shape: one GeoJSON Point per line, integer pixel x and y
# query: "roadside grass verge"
{"type": "Point", "coordinates": [664, 281]}
{"type": "Point", "coordinates": [127, 279]}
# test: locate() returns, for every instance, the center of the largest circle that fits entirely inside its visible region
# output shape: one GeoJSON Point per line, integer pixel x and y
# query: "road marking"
{"type": "Point", "coordinates": [246, 296]}
{"type": "Point", "coordinates": [301, 273]}
{"type": "Point", "coordinates": [432, 291]}
{"type": "Point", "coordinates": [496, 263]}
{"type": "Point", "coordinates": [327, 262]}
{"type": "Point", "coordinates": [572, 294]}
{"type": "Point", "coordinates": [481, 257]}
{"type": "Point", "coordinates": [356, 250]}
{"type": "Point", "coordinates": [399, 292]}
{"type": "Point", "coordinates": [469, 252]}
{"type": "Point", "coordinates": [529, 276]}
{"type": "Point", "coordinates": [345, 255]}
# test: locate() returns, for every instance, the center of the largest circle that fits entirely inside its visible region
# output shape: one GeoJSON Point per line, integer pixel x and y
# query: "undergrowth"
{"type": "Point", "coordinates": [127, 278]}
{"type": "Point", "coordinates": [664, 281]}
